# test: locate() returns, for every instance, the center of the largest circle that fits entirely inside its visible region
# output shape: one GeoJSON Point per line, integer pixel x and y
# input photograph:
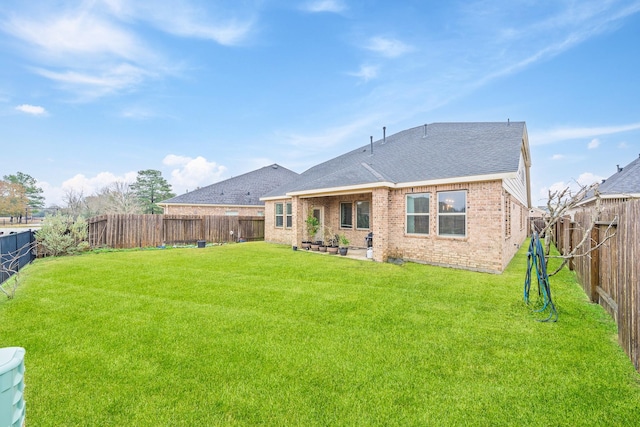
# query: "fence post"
{"type": "Point", "coordinates": [595, 264]}
{"type": "Point", "coordinates": [571, 228]}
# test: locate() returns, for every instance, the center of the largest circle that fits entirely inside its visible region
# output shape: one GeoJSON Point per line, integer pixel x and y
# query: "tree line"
{"type": "Point", "coordinates": [20, 197]}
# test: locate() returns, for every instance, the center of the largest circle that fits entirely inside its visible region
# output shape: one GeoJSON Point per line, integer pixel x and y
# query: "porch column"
{"type": "Point", "coordinates": [380, 228]}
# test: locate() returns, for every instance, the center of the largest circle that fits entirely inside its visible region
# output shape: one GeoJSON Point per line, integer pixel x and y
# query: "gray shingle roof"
{"type": "Point", "coordinates": [242, 190]}
{"type": "Point", "coordinates": [627, 181]}
{"type": "Point", "coordinates": [449, 150]}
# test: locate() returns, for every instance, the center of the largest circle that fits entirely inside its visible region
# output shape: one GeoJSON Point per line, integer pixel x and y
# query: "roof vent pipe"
{"type": "Point", "coordinates": [371, 139]}
{"type": "Point", "coordinates": [619, 168]}
{"type": "Point", "coordinates": [425, 131]}
{"type": "Point", "coordinates": [508, 122]}
{"type": "Point", "coordinates": [384, 134]}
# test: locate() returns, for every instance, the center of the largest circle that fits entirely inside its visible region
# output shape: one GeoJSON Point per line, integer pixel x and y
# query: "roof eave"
{"type": "Point", "coordinates": [217, 205]}
{"type": "Point", "coordinates": [360, 188]}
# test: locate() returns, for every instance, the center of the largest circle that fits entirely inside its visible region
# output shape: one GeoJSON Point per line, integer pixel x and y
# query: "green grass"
{"type": "Point", "coordinates": [259, 334]}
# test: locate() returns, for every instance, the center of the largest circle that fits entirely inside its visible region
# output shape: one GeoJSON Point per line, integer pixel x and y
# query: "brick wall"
{"type": "Point", "coordinates": [484, 247]}
{"type": "Point", "coordinates": [214, 210]}
{"type": "Point", "coordinates": [273, 234]}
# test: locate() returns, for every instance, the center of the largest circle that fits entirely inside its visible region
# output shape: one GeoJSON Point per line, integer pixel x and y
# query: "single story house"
{"type": "Point", "coordinates": [449, 194]}
{"type": "Point", "coordinates": [619, 187]}
{"type": "Point", "coordinates": [239, 195]}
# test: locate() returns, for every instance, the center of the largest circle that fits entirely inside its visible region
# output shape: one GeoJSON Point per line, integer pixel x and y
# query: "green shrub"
{"type": "Point", "coordinates": [61, 235]}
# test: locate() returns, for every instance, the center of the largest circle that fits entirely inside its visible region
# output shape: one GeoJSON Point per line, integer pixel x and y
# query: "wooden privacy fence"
{"type": "Point", "coordinates": [137, 231]}
{"type": "Point", "coordinates": [610, 275]}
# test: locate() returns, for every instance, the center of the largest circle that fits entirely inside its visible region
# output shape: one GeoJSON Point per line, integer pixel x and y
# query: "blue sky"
{"type": "Point", "coordinates": [93, 91]}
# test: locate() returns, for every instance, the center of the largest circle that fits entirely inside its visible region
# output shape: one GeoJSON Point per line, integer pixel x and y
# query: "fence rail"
{"type": "Point", "coordinates": [136, 231]}
{"type": "Point", "coordinates": [610, 275]}
{"type": "Point", "coordinates": [16, 251]}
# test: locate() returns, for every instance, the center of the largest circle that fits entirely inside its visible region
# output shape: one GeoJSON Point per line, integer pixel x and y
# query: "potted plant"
{"type": "Point", "coordinates": [331, 240]}
{"type": "Point", "coordinates": [344, 245]}
{"type": "Point", "coordinates": [312, 229]}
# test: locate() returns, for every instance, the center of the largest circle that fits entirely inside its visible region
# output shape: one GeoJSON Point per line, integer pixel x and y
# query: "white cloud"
{"type": "Point", "coordinates": [190, 173]}
{"type": "Point", "coordinates": [82, 184]}
{"type": "Point", "coordinates": [334, 6]}
{"type": "Point", "coordinates": [623, 145]}
{"type": "Point", "coordinates": [366, 72]}
{"type": "Point", "coordinates": [595, 143]}
{"type": "Point", "coordinates": [91, 85]}
{"type": "Point", "coordinates": [588, 178]}
{"type": "Point", "coordinates": [32, 109]}
{"type": "Point", "coordinates": [390, 48]}
{"type": "Point", "coordinates": [558, 157]}
{"type": "Point", "coordinates": [96, 49]}
{"type": "Point", "coordinates": [583, 180]}
{"type": "Point", "coordinates": [563, 134]}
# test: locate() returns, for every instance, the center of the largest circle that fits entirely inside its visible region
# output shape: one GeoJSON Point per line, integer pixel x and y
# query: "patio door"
{"type": "Point", "coordinates": [318, 213]}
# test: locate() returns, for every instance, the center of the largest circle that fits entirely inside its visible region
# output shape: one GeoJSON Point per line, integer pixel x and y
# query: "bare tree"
{"type": "Point", "coordinates": [562, 203]}
{"type": "Point", "coordinates": [122, 199]}
{"type": "Point", "coordinates": [74, 202]}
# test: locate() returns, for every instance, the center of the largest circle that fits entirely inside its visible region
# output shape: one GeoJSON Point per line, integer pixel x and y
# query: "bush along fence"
{"type": "Point", "coordinates": [16, 251]}
{"type": "Point", "coordinates": [610, 275]}
{"type": "Point", "coordinates": [138, 231]}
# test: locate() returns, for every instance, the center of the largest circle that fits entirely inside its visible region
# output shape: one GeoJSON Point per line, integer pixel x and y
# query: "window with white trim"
{"type": "Point", "coordinates": [452, 213]}
{"type": "Point", "coordinates": [279, 215]}
{"type": "Point", "coordinates": [417, 211]}
{"type": "Point", "coordinates": [362, 215]}
{"type": "Point", "coordinates": [289, 216]}
{"type": "Point", "coordinates": [346, 215]}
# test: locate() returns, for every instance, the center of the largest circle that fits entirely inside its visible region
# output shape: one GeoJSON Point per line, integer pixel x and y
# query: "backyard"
{"type": "Point", "coordinates": [254, 333]}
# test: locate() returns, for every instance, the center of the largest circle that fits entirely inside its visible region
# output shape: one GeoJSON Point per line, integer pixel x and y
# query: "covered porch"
{"type": "Point", "coordinates": [359, 216]}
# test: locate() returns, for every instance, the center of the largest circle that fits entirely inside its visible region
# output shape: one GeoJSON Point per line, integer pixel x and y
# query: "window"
{"type": "Point", "coordinates": [418, 213]}
{"type": "Point", "coordinates": [362, 214]}
{"type": "Point", "coordinates": [346, 215]}
{"type": "Point", "coordinates": [289, 216]}
{"type": "Point", "coordinates": [452, 216]}
{"type": "Point", "coordinates": [279, 215]}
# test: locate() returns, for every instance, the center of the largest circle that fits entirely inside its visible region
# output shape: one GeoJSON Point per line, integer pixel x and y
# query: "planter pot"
{"type": "Point", "coordinates": [315, 247]}
{"type": "Point", "coordinates": [295, 248]}
{"type": "Point", "coordinates": [332, 250]}
{"type": "Point", "coordinates": [323, 248]}
{"type": "Point", "coordinates": [343, 251]}
{"type": "Point", "coordinates": [306, 245]}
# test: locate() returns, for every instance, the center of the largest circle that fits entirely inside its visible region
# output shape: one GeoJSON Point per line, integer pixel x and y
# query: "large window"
{"type": "Point", "coordinates": [279, 215]}
{"type": "Point", "coordinates": [452, 213]}
{"type": "Point", "coordinates": [346, 215]}
{"type": "Point", "coordinates": [418, 213]}
{"type": "Point", "coordinates": [289, 215]}
{"type": "Point", "coordinates": [362, 215]}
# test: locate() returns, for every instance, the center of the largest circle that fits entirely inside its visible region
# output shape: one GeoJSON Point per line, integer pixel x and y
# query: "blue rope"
{"type": "Point", "coordinates": [535, 258]}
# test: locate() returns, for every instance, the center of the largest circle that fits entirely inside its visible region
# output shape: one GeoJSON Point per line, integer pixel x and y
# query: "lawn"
{"type": "Point", "coordinates": [255, 333]}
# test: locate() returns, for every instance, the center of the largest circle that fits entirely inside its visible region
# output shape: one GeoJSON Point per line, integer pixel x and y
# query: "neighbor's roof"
{"type": "Point", "coordinates": [447, 150]}
{"type": "Point", "coordinates": [242, 190]}
{"type": "Point", "coordinates": [626, 181]}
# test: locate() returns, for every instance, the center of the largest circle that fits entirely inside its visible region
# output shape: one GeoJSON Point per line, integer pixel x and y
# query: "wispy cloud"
{"type": "Point", "coordinates": [366, 72]}
{"type": "Point", "coordinates": [332, 136]}
{"type": "Point", "coordinates": [387, 47]}
{"type": "Point", "coordinates": [595, 143]}
{"type": "Point", "coordinates": [34, 110]}
{"type": "Point", "coordinates": [335, 6]}
{"type": "Point", "coordinates": [558, 157]}
{"type": "Point", "coordinates": [566, 134]}
{"type": "Point", "coordinates": [96, 48]}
